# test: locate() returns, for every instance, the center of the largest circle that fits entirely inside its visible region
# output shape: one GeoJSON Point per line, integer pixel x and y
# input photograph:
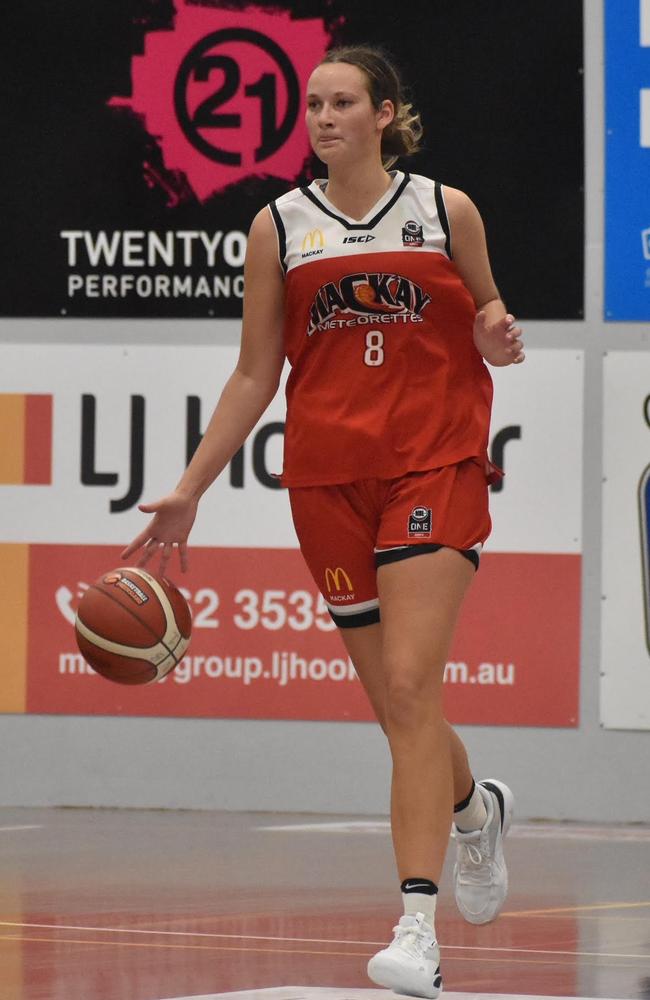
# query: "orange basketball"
{"type": "Point", "coordinates": [132, 627]}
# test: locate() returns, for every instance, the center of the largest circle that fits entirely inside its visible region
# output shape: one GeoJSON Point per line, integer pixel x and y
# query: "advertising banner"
{"type": "Point", "coordinates": [151, 133]}
{"type": "Point", "coordinates": [118, 425]}
{"type": "Point", "coordinates": [625, 619]}
{"type": "Point", "coordinates": [627, 194]}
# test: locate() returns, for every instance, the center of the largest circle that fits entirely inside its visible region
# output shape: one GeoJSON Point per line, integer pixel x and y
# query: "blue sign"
{"type": "Point", "coordinates": [627, 168]}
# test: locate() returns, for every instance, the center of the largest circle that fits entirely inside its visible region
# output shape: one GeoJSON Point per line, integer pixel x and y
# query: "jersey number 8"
{"type": "Point", "coordinates": [374, 353]}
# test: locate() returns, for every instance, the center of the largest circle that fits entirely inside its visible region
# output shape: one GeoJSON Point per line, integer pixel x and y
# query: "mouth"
{"type": "Point", "coordinates": [327, 139]}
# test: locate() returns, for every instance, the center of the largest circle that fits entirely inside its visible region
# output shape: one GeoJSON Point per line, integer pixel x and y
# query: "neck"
{"type": "Point", "coordinates": [355, 188]}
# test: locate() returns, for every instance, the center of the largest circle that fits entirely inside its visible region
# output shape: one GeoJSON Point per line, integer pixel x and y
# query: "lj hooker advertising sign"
{"type": "Point", "coordinates": [142, 138]}
{"type": "Point", "coordinates": [86, 436]}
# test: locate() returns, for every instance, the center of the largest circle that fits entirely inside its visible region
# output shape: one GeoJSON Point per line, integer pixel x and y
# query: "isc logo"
{"type": "Point", "coordinates": [359, 239]}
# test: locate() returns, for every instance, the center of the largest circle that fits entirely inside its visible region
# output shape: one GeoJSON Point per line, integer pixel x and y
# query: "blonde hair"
{"type": "Point", "coordinates": [402, 136]}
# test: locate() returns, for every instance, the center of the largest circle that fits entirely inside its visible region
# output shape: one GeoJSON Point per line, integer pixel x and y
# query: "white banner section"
{"type": "Point", "coordinates": [625, 635]}
{"type": "Point", "coordinates": [126, 418]}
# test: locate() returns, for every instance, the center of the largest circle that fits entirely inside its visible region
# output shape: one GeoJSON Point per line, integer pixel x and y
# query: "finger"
{"type": "Point", "coordinates": [149, 508]}
{"type": "Point", "coordinates": [148, 551]}
{"type": "Point", "coordinates": [520, 357]}
{"type": "Point", "coordinates": [182, 551]}
{"type": "Point", "coordinates": [165, 557]}
{"type": "Point", "coordinates": [136, 544]}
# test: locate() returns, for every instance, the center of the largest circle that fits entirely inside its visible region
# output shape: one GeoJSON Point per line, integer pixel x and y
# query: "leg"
{"type": "Point", "coordinates": [480, 873]}
{"type": "Point", "coordinates": [420, 599]}
{"type": "Point", "coordinates": [364, 646]}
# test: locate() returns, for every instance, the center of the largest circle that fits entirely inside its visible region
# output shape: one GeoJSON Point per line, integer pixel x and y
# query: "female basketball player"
{"type": "Point", "coordinates": [376, 286]}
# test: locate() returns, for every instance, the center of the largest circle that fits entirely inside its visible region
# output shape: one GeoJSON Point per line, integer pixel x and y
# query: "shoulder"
{"type": "Point", "coordinates": [420, 181]}
{"type": "Point", "coordinates": [265, 247]}
{"type": "Point", "coordinates": [262, 227]}
{"type": "Point", "coordinates": [288, 199]}
{"type": "Point", "coordinates": [268, 219]}
{"type": "Point", "coordinates": [453, 202]}
{"type": "Point", "coordinates": [460, 208]}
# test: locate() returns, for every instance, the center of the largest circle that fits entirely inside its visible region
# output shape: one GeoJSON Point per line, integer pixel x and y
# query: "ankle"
{"type": "Point", "coordinates": [419, 895]}
{"type": "Point", "coordinates": [470, 814]}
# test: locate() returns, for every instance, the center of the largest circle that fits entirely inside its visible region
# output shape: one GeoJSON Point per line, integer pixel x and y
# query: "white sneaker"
{"type": "Point", "coordinates": [411, 963]}
{"type": "Point", "coordinates": [480, 873]}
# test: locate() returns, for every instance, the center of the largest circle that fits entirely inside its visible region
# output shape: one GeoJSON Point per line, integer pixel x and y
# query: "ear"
{"type": "Point", "coordinates": [385, 115]}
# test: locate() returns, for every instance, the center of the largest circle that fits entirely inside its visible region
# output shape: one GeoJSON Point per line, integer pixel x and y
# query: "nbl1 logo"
{"type": "Point", "coordinates": [412, 234]}
{"type": "Point", "coordinates": [419, 523]}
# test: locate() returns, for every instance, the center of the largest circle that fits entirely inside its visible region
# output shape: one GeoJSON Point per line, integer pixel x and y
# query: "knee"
{"type": "Point", "coordinates": [411, 701]}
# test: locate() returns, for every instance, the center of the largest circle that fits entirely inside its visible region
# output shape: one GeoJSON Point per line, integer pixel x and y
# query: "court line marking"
{"type": "Point", "coordinates": [353, 993]}
{"type": "Point", "coordinates": [577, 909]}
{"type": "Point", "coordinates": [238, 916]}
{"type": "Point", "coordinates": [7, 829]}
{"type": "Point", "coordinates": [295, 951]}
{"type": "Point", "coordinates": [297, 940]}
{"type": "Point", "coordinates": [541, 831]}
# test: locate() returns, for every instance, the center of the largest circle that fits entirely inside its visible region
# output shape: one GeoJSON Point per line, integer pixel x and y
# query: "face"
{"type": "Point", "coordinates": [340, 117]}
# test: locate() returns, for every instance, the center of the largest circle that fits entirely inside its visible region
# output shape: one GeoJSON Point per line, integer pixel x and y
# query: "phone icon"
{"type": "Point", "coordinates": [64, 599]}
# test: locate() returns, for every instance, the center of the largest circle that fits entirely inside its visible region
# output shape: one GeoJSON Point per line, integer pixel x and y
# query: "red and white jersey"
{"type": "Point", "coordinates": [385, 376]}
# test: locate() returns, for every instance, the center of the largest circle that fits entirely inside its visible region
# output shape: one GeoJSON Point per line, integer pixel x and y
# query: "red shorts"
{"type": "Point", "coordinates": [347, 531]}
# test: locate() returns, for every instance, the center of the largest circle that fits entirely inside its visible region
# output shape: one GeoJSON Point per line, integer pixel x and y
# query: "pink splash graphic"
{"type": "Point", "coordinates": [223, 94]}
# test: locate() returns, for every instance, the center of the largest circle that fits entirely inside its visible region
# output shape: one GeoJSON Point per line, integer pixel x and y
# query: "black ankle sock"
{"type": "Point", "coordinates": [464, 804]}
{"type": "Point", "coordinates": [423, 885]}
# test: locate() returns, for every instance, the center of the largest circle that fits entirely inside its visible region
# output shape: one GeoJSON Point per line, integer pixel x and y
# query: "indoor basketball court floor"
{"type": "Point", "coordinates": [146, 905]}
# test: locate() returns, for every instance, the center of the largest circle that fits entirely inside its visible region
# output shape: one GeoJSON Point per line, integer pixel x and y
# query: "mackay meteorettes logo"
{"type": "Point", "coordinates": [358, 299]}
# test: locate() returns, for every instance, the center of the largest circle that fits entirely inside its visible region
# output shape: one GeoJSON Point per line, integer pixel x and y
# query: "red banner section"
{"type": "Point", "coordinates": [264, 647]}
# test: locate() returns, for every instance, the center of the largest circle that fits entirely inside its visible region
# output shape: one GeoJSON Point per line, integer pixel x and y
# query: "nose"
{"type": "Point", "coordinates": [324, 117]}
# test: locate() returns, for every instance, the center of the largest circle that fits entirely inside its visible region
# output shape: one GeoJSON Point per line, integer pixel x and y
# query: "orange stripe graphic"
{"type": "Point", "coordinates": [38, 440]}
{"type": "Point", "coordinates": [14, 583]}
{"type": "Point", "coordinates": [12, 438]}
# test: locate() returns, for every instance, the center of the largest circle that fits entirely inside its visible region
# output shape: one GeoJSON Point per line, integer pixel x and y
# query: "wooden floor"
{"type": "Point", "coordinates": [145, 905]}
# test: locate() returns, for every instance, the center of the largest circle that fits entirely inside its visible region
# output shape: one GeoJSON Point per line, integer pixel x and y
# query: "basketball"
{"type": "Point", "coordinates": [132, 627]}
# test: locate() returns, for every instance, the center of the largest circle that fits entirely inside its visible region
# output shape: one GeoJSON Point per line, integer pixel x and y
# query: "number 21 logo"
{"type": "Point", "coordinates": [232, 137]}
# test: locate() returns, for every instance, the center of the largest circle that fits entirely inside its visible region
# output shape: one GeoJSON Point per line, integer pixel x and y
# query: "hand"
{"type": "Point", "coordinates": [500, 344]}
{"type": "Point", "coordinates": [172, 522]}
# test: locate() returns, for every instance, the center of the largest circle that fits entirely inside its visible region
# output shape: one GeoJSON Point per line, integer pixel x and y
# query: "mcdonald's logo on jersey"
{"type": "Point", "coordinates": [313, 243]}
{"type": "Point", "coordinates": [338, 584]}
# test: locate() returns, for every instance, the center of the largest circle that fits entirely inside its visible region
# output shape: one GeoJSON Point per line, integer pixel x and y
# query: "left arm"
{"type": "Point", "coordinates": [496, 335]}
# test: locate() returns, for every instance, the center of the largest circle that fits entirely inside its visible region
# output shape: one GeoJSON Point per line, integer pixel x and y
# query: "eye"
{"type": "Point", "coordinates": [343, 101]}
{"type": "Point", "coordinates": [312, 105]}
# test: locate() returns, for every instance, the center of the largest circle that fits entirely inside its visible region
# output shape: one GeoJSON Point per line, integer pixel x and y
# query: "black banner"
{"type": "Point", "coordinates": [141, 137]}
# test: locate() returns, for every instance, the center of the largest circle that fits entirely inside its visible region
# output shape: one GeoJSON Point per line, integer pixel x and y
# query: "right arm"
{"type": "Point", "coordinates": [245, 397]}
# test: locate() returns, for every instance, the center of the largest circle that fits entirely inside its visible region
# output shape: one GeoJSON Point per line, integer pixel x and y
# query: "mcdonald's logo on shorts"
{"type": "Point", "coordinates": [338, 584]}
{"type": "Point", "coordinates": [313, 243]}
